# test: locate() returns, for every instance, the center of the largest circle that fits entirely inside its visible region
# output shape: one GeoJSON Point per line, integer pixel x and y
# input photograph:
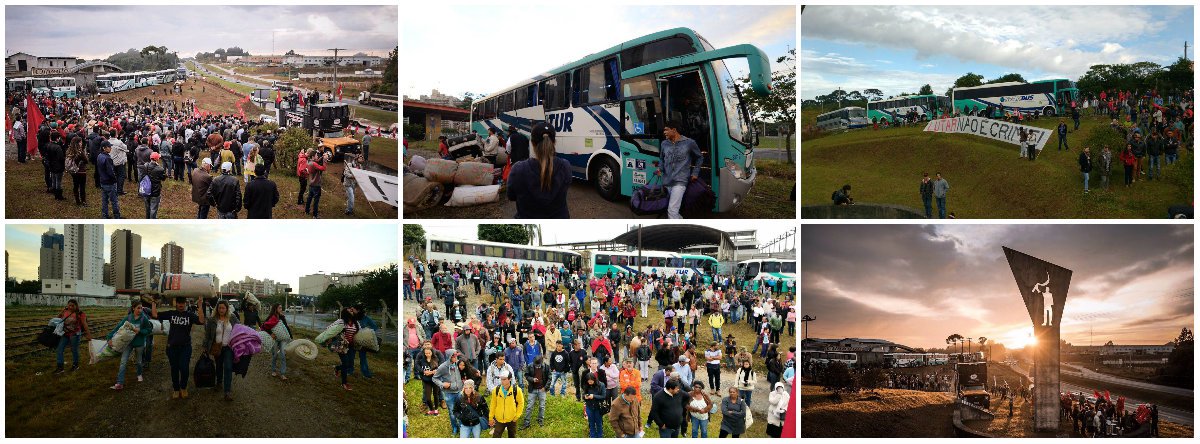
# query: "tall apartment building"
{"type": "Point", "coordinates": [172, 258]}
{"type": "Point", "coordinates": [50, 263]}
{"type": "Point", "coordinates": [125, 251]}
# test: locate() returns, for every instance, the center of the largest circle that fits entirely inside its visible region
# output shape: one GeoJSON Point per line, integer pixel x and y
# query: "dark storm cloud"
{"type": "Point", "coordinates": [957, 273]}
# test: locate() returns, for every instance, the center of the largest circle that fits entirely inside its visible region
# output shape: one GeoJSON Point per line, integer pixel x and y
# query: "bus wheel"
{"type": "Point", "coordinates": [1048, 112]}
{"type": "Point", "coordinates": [607, 178]}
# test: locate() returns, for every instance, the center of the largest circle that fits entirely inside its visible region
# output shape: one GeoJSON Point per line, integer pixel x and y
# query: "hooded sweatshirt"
{"type": "Point", "coordinates": [448, 372]}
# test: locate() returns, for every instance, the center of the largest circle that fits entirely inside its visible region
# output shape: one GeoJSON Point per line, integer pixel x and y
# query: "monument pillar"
{"type": "Point", "coordinates": [1043, 287]}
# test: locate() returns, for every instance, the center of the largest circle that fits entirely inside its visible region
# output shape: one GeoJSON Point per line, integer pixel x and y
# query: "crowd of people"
{"type": "Point", "coordinates": [217, 320]}
{"type": "Point", "coordinates": [538, 331]}
{"type": "Point", "coordinates": [1100, 416]}
{"type": "Point", "coordinates": [151, 142]}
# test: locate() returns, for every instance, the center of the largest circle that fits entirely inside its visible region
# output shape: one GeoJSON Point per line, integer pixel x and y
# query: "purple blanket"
{"type": "Point", "coordinates": [244, 341]}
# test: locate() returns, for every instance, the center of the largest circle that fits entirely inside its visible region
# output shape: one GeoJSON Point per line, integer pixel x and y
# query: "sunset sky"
{"type": "Point", "coordinates": [917, 284]}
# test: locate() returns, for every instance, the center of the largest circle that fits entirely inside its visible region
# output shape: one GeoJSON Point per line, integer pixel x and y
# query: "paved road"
{"type": "Point", "coordinates": [1174, 415]}
{"type": "Point", "coordinates": [772, 154]}
{"type": "Point", "coordinates": [232, 78]}
{"type": "Point", "coordinates": [1089, 374]}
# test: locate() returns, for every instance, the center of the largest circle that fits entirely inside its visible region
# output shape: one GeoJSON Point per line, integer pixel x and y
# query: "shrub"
{"type": "Point", "coordinates": [288, 147]}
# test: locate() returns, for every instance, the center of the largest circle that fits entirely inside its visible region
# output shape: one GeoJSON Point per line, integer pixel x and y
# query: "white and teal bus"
{"type": "Point", "coordinates": [608, 110]}
{"type": "Point", "coordinates": [1046, 97]}
{"type": "Point", "coordinates": [849, 117]}
{"type": "Point", "coordinates": [661, 263]}
{"type": "Point", "coordinates": [477, 251]}
{"type": "Point", "coordinates": [755, 271]}
{"type": "Point", "coordinates": [926, 107]}
{"type": "Point", "coordinates": [110, 83]}
{"type": "Point", "coordinates": [43, 86]}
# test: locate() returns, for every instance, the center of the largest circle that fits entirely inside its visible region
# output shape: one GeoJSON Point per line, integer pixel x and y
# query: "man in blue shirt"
{"type": "Point", "coordinates": [681, 159]}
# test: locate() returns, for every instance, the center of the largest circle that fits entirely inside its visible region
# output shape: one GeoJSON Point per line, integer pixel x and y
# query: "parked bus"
{"type": "Point", "coordinates": [825, 358]}
{"type": "Point", "coordinates": [110, 83]}
{"type": "Point", "coordinates": [1046, 97]}
{"type": "Point", "coordinates": [43, 86]}
{"type": "Point", "coordinates": [929, 106]}
{"type": "Point", "coordinates": [164, 77]}
{"type": "Point", "coordinates": [17, 85]}
{"type": "Point", "coordinates": [662, 263]}
{"type": "Point", "coordinates": [608, 110]}
{"type": "Point", "coordinates": [849, 117]}
{"type": "Point", "coordinates": [281, 86]}
{"type": "Point", "coordinates": [754, 271]}
{"type": "Point", "coordinates": [903, 360]}
{"type": "Point", "coordinates": [937, 358]}
{"type": "Point", "coordinates": [453, 250]}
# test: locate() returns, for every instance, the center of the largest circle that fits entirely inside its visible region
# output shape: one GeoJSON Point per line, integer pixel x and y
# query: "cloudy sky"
{"type": "Point", "coordinates": [99, 31]}
{"type": "Point", "coordinates": [899, 48]}
{"type": "Point", "coordinates": [918, 284]}
{"type": "Point", "coordinates": [561, 232]}
{"type": "Point", "coordinates": [280, 251]}
{"type": "Point", "coordinates": [482, 49]}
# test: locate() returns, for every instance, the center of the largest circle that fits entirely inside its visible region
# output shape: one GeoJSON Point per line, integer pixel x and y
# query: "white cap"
{"type": "Point", "coordinates": [226, 166]}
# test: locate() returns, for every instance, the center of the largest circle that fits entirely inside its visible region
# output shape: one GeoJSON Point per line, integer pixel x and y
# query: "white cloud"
{"type": "Point", "coordinates": [992, 35]}
{"type": "Point", "coordinates": [821, 73]}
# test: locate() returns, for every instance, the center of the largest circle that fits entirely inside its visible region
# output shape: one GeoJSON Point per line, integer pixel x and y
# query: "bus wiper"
{"type": "Point", "coordinates": [737, 91]}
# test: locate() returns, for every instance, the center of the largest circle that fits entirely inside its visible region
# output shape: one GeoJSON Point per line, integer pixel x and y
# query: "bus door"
{"type": "Point", "coordinates": [1063, 100]}
{"type": "Point", "coordinates": [642, 120]}
{"type": "Point", "coordinates": [685, 101]}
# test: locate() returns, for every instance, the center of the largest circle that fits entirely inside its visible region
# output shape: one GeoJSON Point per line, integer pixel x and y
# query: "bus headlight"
{"type": "Point", "coordinates": [735, 169]}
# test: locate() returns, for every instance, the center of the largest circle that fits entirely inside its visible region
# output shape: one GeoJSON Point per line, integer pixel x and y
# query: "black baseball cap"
{"type": "Point", "coordinates": [542, 129]}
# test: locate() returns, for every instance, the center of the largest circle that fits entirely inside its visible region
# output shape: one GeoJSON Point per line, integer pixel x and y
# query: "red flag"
{"type": "Point", "coordinates": [35, 120]}
{"type": "Point", "coordinates": [789, 419]}
{"type": "Point", "coordinates": [278, 98]}
{"type": "Point", "coordinates": [1107, 396]}
{"type": "Point", "coordinates": [302, 99]}
{"type": "Point", "coordinates": [339, 93]}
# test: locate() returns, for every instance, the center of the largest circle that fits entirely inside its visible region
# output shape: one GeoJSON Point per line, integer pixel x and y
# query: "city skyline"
{"type": "Point", "coordinates": [918, 284]}
{"type": "Point", "coordinates": [232, 256]}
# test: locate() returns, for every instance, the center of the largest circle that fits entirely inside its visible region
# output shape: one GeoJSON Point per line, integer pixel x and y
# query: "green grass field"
{"type": "Point", "coordinates": [380, 117]}
{"type": "Point", "coordinates": [986, 177]}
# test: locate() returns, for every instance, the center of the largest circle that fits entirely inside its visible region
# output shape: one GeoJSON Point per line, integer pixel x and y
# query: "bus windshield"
{"type": "Point", "coordinates": [788, 267]}
{"type": "Point", "coordinates": [770, 267]}
{"type": "Point", "coordinates": [735, 110]}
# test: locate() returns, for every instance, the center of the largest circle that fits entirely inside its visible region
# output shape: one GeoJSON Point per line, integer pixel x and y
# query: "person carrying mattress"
{"type": "Point", "coordinates": [217, 333]}
{"type": "Point", "coordinates": [360, 314]}
{"type": "Point", "coordinates": [179, 342]}
{"type": "Point", "coordinates": [343, 345]}
{"type": "Point", "coordinates": [277, 320]}
{"type": "Point", "coordinates": [142, 328]}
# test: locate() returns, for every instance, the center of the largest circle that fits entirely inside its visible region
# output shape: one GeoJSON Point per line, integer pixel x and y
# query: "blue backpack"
{"type": "Point", "coordinates": [144, 186]}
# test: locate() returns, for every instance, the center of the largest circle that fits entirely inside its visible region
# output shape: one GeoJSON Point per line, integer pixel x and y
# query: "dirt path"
{"type": "Point", "coordinates": [309, 404]}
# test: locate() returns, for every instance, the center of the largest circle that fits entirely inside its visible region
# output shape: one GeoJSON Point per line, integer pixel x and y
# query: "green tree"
{"type": "Point", "coordinates": [926, 90]}
{"type": "Point", "coordinates": [838, 379]}
{"type": "Point", "coordinates": [779, 105]}
{"type": "Point", "coordinates": [968, 80]}
{"type": "Point", "coordinates": [390, 75]}
{"type": "Point", "coordinates": [1180, 370]}
{"type": "Point", "coordinates": [414, 235]}
{"type": "Point", "coordinates": [872, 94]}
{"type": "Point", "coordinates": [1012, 77]}
{"type": "Point", "coordinates": [872, 379]}
{"type": "Point", "coordinates": [23, 287]}
{"type": "Point", "coordinates": [507, 233]}
{"type": "Point", "coordinates": [288, 147]}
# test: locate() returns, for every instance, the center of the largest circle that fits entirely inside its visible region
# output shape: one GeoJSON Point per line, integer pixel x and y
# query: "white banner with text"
{"type": "Point", "coordinates": [992, 129]}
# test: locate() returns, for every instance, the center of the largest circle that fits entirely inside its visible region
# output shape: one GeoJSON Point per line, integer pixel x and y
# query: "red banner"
{"type": "Point", "coordinates": [34, 121]}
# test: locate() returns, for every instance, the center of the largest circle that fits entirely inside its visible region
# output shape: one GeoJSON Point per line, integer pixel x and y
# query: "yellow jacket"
{"type": "Point", "coordinates": [506, 408]}
{"type": "Point", "coordinates": [716, 320]}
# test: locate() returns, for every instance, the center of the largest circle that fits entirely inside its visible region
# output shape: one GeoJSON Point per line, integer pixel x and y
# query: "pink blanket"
{"type": "Point", "coordinates": [244, 341]}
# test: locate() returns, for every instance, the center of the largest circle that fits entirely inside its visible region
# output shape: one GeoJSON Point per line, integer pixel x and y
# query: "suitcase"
{"type": "Point", "coordinates": [698, 196]}
{"type": "Point", "coordinates": [651, 199]}
{"type": "Point", "coordinates": [205, 373]}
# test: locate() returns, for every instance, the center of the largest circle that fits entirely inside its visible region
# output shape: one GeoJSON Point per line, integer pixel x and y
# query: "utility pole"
{"type": "Point", "coordinates": [804, 323]}
{"type": "Point", "coordinates": [1185, 50]}
{"type": "Point", "coordinates": [335, 65]}
{"type": "Point", "coordinates": [639, 255]}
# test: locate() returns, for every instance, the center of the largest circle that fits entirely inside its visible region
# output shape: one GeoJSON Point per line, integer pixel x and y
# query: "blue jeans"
{"type": "Point", "coordinates": [699, 427]}
{"type": "Point", "coordinates": [535, 397]}
{"type": "Point", "coordinates": [716, 334]}
{"type": "Point", "coordinates": [465, 432]}
{"type": "Point", "coordinates": [137, 354]}
{"type": "Point", "coordinates": [452, 399]}
{"type": "Point", "coordinates": [554, 378]}
{"type": "Point", "coordinates": [362, 363]}
{"type": "Point", "coordinates": [179, 357]}
{"type": "Point", "coordinates": [1155, 167]}
{"type": "Point", "coordinates": [595, 422]}
{"type": "Point", "coordinates": [62, 344]}
{"type": "Point", "coordinates": [280, 355]}
{"type": "Point", "coordinates": [941, 203]}
{"type": "Point", "coordinates": [152, 206]}
{"type": "Point", "coordinates": [1171, 158]}
{"type": "Point", "coordinates": [517, 309]}
{"type": "Point", "coordinates": [202, 211]}
{"type": "Point", "coordinates": [347, 364]}
{"type": "Point", "coordinates": [120, 170]}
{"type": "Point", "coordinates": [409, 361]}
{"type": "Point", "coordinates": [1085, 181]}
{"type": "Point", "coordinates": [313, 200]}
{"type": "Point", "coordinates": [349, 199]}
{"type": "Point", "coordinates": [225, 375]}
{"type": "Point", "coordinates": [148, 350]}
{"type": "Point", "coordinates": [108, 193]}
{"type": "Point", "coordinates": [177, 163]}
{"type": "Point", "coordinates": [745, 394]}
{"type": "Point", "coordinates": [928, 201]}
{"type": "Point", "coordinates": [226, 215]}
{"type": "Point", "coordinates": [668, 433]}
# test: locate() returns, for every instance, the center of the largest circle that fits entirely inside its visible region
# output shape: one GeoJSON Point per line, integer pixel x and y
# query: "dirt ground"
{"type": "Point", "coordinates": [310, 404]}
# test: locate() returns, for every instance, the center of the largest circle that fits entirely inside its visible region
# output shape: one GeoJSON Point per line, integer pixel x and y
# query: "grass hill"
{"type": "Point", "coordinates": [987, 179]}
{"type": "Point", "coordinates": [891, 414]}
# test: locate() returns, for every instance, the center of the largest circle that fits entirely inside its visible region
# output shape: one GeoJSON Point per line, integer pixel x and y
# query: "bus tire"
{"type": "Point", "coordinates": [1048, 111]}
{"type": "Point", "coordinates": [606, 176]}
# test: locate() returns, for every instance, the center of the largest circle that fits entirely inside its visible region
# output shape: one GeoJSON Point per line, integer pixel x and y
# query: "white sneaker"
{"type": "Point", "coordinates": [139, 378]}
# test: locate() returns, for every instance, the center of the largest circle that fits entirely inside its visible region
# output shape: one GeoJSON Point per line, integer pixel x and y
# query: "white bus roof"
{"type": "Point", "coordinates": [768, 259]}
{"type": "Point", "coordinates": [496, 244]}
{"type": "Point", "coordinates": [842, 109]}
{"type": "Point", "coordinates": [990, 85]}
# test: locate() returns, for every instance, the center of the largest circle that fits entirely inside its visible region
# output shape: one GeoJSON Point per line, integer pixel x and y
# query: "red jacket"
{"type": "Point", "coordinates": [442, 341]}
{"type": "Point", "coordinates": [1128, 158]}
